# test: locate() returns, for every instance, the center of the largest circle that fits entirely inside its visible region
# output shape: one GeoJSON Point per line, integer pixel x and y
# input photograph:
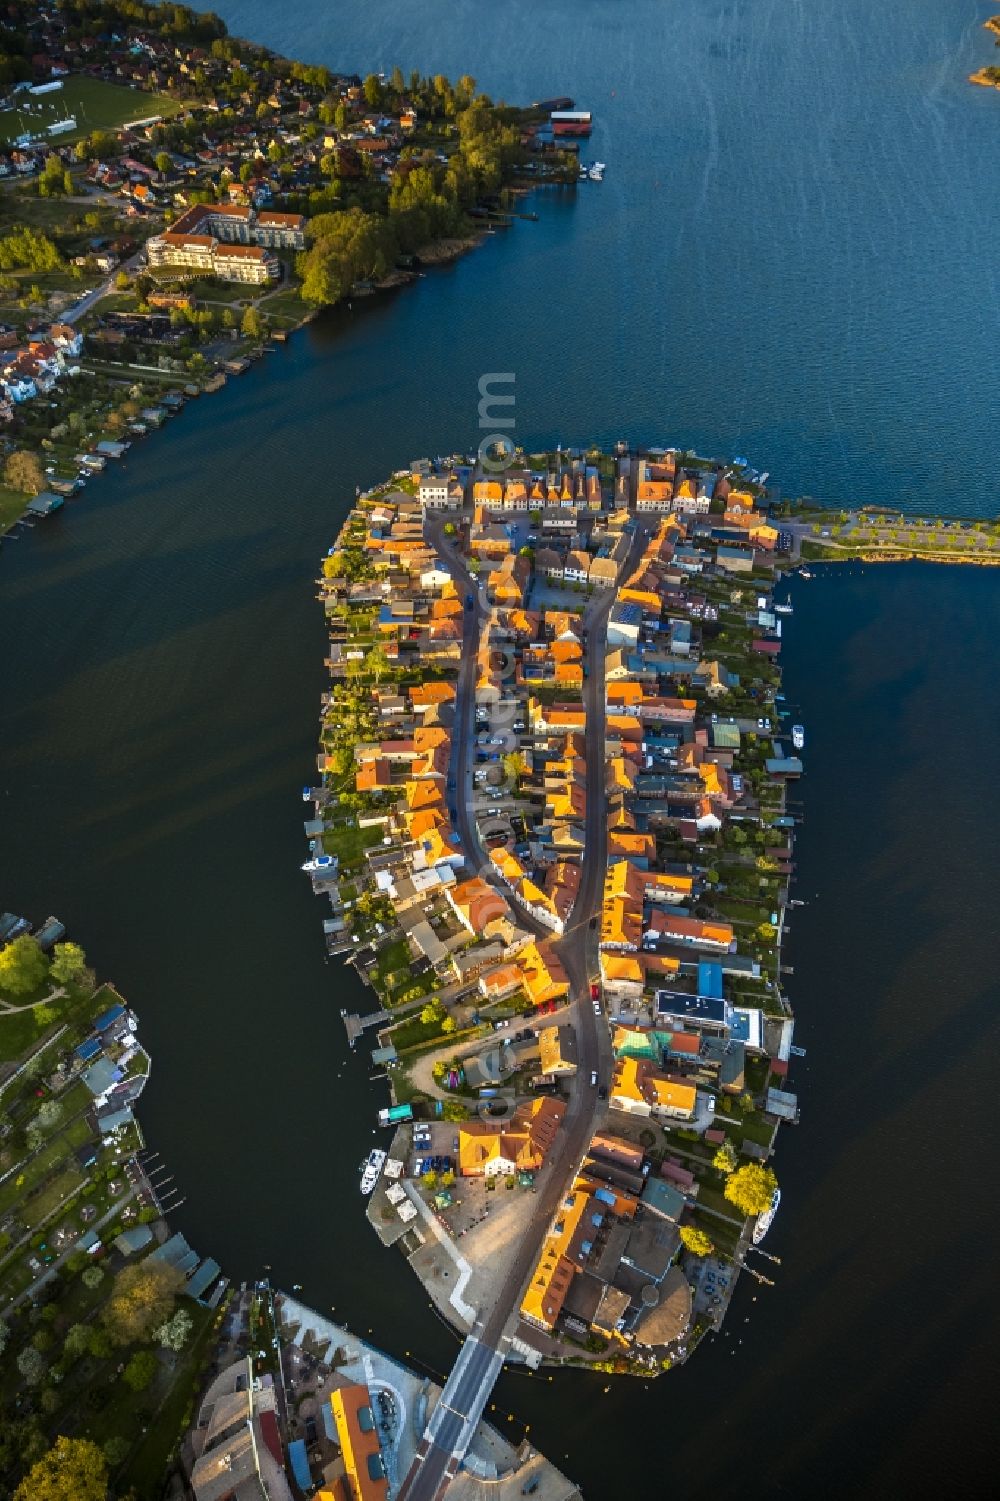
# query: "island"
{"type": "Point", "coordinates": [550, 826]}
{"type": "Point", "coordinates": [989, 77]}
{"type": "Point", "coordinates": [173, 198]}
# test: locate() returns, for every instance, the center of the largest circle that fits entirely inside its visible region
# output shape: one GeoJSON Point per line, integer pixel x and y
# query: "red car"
{"type": "Point", "coordinates": [595, 992]}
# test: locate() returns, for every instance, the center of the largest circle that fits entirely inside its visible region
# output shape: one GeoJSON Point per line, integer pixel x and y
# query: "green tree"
{"type": "Point", "coordinates": [430, 1179]}
{"type": "Point", "coordinates": [100, 1346]}
{"type": "Point", "coordinates": [23, 966]}
{"type": "Point", "coordinates": [140, 1370]}
{"type": "Point", "coordinates": [372, 89]}
{"type": "Point", "coordinates": [751, 1188]}
{"type": "Point", "coordinates": [116, 1450]}
{"type": "Point", "coordinates": [23, 471]}
{"type": "Point", "coordinates": [396, 82]}
{"type": "Point", "coordinates": [377, 663]}
{"type": "Point", "coordinates": [432, 1012]}
{"type": "Point", "coordinates": [447, 1178]}
{"type": "Point", "coordinates": [142, 1298]}
{"type": "Point", "coordinates": [252, 326]}
{"type": "Point", "coordinates": [696, 1241]}
{"type": "Point", "coordinates": [77, 1342]}
{"type": "Point", "coordinates": [92, 1277]}
{"type": "Point", "coordinates": [448, 1025]}
{"type": "Point", "coordinates": [766, 931]}
{"type": "Point", "coordinates": [163, 162]}
{"type": "Point", "coordinates": [725, 1159]}
{"type": "Point", "coordinates": [69, 964]}
{"type": "Point", "coordinates": [73, 1470]}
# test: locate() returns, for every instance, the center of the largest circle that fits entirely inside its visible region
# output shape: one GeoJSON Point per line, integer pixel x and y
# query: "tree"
{"type": "Point", "coordinates": [724, 1160]}
{"type": "Point", "coordinates": [99, 1345]}
{"type": "Point", "coordinates": [116, 1450]}
{"type": "Point", "coordinates": [4, 1335]}
{"type": "Point", "coordinates": [432, 1012]}
{"type": "Point", "coordinates": [73, 1470]}
{"type": "Point", "coordinates": [174, 1333]}
{"type": "Point", "coordinates": [377, 663]}
{"type": "Point", "coordinates": [252, 326]}
{"type": "Point", "coordinates": [92, 1277]}
{"type": "Point", "coordinates": [23, 966]}
{"type": "Point", "coordinates": [449, 529]}
{"type": "Point", "coordinates": [449, 1024]}
{"type": "Point", "coordinates": [751, 1188]}
{"type": "Point", "coordinates": [31, 1364]}
{"type": "Point", "coordinates": [372, 90]}
{"type": "Point", "coordinates": [49, 1115]}
{"type": "Point", "coordinates": [69, 963]}
{"type": "Point", "coordinates": [514, 765]}
{"type": "Point", "coordinates": [696, 1241]}
{"type": "Point", "coordinates": [23, 471]}
{"type": "Point", "coordinates": [447, 1178]}
{"type": "Point", "coordinates": [163, 162]}
{"type": "Point", "coordinates": [766, 931]}
{"type": "Point", "coordinates": [140, 1370]}
{"type": "Point", "coordinates": [430, 1179]}
{"type": "Point", "coordinates": [454, 1110]}
{"type": "Point", "coordinates": [141, 1300]}
{"type": "Point", "coordinates": [77, 1342]}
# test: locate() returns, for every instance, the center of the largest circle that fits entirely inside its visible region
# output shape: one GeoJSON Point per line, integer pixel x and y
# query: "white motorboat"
{"type": "Point", "coordinates": [798, 736]}
{"type": "Point", "coordinates": [763, 1224]}
{"type": "Point", "coordinates": [371, 1170]}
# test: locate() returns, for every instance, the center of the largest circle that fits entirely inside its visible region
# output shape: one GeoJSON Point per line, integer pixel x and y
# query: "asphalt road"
{"type": "Point", "coordinates": [481, 1357]}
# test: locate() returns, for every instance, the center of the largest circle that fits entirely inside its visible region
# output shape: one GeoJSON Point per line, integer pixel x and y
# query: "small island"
{"type": "Point", "coordinates": [989, 77]}
{"type": "Point", "coordinates": [551, 830]}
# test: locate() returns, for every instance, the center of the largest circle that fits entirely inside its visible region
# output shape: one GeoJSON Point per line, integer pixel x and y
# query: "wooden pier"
{"type": "Point", "coordinates": [356, 1025]}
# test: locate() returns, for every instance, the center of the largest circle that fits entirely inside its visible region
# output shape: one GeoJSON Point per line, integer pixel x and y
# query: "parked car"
{"type": "Point", "coordinates": [602, 1093]}
{"type": "Point", "coordinates": [595, 991]}
{"type": "Point", "coordinates": [593, 1076]}
{"type": "Point", "coordinates": [597, 1008]}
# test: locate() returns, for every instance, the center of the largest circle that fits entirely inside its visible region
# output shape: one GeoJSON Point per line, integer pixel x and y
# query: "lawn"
{"type": "Point", "coordinates": [23, 1182]}
{"type": "Point", "coordinates": [12, 504]}
{"type": "Point", "coordinates": [50, 1195]}
{"type": "Point", "coordinates": [350, 842]}
{"type": "Point", "coordinates": [96, 105]}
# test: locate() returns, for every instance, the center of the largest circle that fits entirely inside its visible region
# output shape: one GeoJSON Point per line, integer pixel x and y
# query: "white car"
{"type": "Point", "coordinates": [593, 1076]}
{"type": "Point", "coordinates": [597, 1008]}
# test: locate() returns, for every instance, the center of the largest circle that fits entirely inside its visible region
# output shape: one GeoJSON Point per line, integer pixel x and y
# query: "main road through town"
{"type": "Point", "coordinates": [479, 1362]}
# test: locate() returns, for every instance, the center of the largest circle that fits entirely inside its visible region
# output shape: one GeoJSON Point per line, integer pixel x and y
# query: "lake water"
{"type": "Point", "coordinates": [792, 256]}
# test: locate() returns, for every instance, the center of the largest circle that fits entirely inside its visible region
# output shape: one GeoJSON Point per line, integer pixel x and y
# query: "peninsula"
{"type": "Point", "coordinates": [551, 827]}
{"type": "Point", "coordinates": [172, 198]}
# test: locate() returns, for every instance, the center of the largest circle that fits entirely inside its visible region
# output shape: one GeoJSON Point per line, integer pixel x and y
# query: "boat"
{"type": "Point", "coordinates": [371, 1170]}
{"type": "Point", "coordinates": [804, 573]}
{"type": "Point", "coordinates": [763, 1224]}
{"type": "Point", "coordinates": [596, 172]}
{"type": "Point", "coordinates": [798, 736]}
{"type": "Point", "coordinates": [784, 609]}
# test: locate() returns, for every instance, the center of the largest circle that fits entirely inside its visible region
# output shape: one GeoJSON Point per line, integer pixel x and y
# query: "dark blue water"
{"type": "Point", "coordinates": [793, 251]}
{"type": "Point", "coordinates": [792, 255]}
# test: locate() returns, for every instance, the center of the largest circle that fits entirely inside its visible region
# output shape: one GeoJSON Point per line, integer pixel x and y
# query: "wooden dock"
{"type": "Point", "coordinates": [356, 1025]}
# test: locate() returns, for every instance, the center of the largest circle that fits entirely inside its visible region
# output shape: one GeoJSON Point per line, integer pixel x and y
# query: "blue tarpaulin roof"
{"type": "Point", "coordinates": [329, 1426]}
{"type": "Point", "coordinates": [300, 1464]}
{"type": "Point", "coordinates": [108, 1018]}
{"type": "Point", "coordinates": [89, 1049]}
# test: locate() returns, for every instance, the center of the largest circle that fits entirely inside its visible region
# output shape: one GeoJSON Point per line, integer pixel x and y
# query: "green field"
{"type": "Point", "coordinates": [95, 104]}
{"type": "Point", "coordinates": [12, 504]}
